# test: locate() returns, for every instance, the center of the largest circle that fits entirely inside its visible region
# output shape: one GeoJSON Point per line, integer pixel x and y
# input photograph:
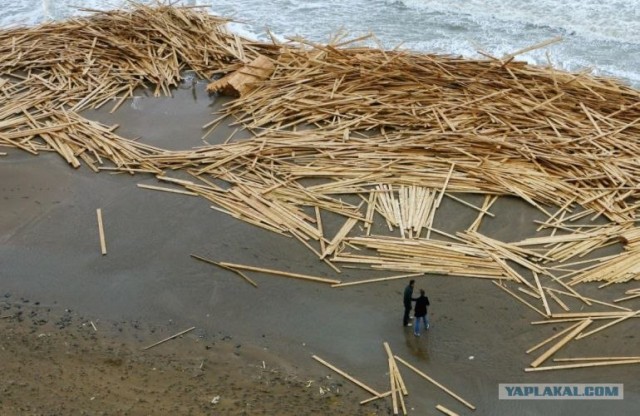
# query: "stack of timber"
{"type": "Point", "coordinates": [394, 131]}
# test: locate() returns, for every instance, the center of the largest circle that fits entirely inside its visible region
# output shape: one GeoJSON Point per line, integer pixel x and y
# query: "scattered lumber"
{"type": "Point", "coordinates": [605, 326]}
{"type": "Point", "coordinates": [345, 375]}
{"type": "Point", "coordinates": [398, 387]}
{"type": "Point", "coordinates": [333, 123]}
{"type": "Point", "coordinates": [520, 299]}
{"type": "Point", "coordinates": [551, 338]}
{"type": "Point", "coordinates": [571, 335]}
{"type": "Point", "coordinates": [446, 390]}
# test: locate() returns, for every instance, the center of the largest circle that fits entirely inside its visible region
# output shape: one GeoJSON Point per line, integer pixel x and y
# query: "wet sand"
{"type": "Point", "coordinates": [63, 363]}
{"type": "Point", "coordinates": [49, 250]}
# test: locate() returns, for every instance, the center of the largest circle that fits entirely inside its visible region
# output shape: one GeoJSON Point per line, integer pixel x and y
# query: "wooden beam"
{"type": "Point", "coordinates": [379, 279]}
{"type": "Point", "coordinates": [446, 411]}
{"type": "Point", "coordinates": [583, 365]}
{"type": "Point", "coordinates": [279, 273]}
{"type": "Point", "coordinates": [434, 382]}
{"type": "Point", "coordinates": [170, 338]}
{"type": "Point", "coordinates": [103, 243]}
{"type": "Point", "coordinates": [561, 343]}
{"type": "Point", "coordinates": [345, 375]}
{"type": "Point", "coordinates": [238, 272]}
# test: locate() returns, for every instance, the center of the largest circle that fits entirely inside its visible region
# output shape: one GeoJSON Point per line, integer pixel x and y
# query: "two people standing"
{"type": "Point", "coordinates": [420, 312]}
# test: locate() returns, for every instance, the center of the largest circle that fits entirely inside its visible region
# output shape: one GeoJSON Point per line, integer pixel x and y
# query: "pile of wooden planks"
{"type": "Point", "coordinates": [49, 73]}
{"type": "Point", "coordinates": [377, 138]}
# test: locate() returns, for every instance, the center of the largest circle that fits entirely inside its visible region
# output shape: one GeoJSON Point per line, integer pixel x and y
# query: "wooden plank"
{"type": "Point", "coordinates": [561, 343]}
{"type": "Point", "coordinates": [170, 338]}
{"type": "Point", "coordinates": [379, 279]}
{"type": "Point", "coordinates": [370, 399]}
{"type": "Point", "coordinates": [446, 411]}
{"type": "Point", "coordinates": [103, 243]}
{"type": "Point", "coordinates": [399, 379]}
{"type": "Point", "coordinates": [596, 359]}
{"type": "Point", "coordinates": [558, 301]}
{"type": "Point", "coordinates": [163, 189]}
{"type": "Point", "coordinates": [239, 273]}
{"type": "Point", "coordinates": [347, 376]}
{"type": "Point", "coordinates": [392, 383]}
{"type": "Point", "coordinates": [541, 292]}
{"type": "Point", "coordinates": [551, 338]}
{"type": "Point", "coordinates": [605, 326]}
{"type": "Point", "coordinates": [279, 273]}
{"type": "Point", "coordinates": [583, 365]}
{"type": "Point", "coordinates": [340, 235]}
{"type": "Point", "coordinates": [520, 299]}
{"type": "Point", "coordinates": [434, 382]}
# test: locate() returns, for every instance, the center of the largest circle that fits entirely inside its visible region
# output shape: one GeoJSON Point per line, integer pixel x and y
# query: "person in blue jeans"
{"type": "Point", "coordinates": [420, 313]}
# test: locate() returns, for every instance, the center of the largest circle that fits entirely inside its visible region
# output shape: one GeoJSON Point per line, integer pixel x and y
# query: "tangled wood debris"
{"type": "Point", "coordinates": [376, 137]}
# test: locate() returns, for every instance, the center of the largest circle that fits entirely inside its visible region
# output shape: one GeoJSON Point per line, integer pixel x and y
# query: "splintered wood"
{"type": "Point", "coordinates": [374, 138]}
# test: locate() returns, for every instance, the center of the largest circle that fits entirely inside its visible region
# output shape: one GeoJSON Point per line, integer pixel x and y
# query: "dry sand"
{"type": "Point", "coordinates": [149, 287]}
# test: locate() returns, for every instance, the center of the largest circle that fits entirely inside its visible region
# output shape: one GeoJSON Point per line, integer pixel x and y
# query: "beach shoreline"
{"type": "Point", "coordinates": [51, 252]}
{"type": "Point", "coordinates": [108, 247]}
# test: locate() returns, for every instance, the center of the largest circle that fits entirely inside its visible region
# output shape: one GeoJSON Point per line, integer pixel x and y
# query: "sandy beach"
{"type": "Point", "coordinates": [256, 343]}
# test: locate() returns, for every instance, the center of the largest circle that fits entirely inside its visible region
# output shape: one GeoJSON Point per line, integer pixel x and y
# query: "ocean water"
{"type": "Point", "coordinates": [603, 35]}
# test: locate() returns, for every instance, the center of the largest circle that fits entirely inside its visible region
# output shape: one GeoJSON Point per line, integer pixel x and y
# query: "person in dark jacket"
{"type": "Point", "coordinates": [420, 313]}
{"type": "Point", "coordinates": [408, 297]}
